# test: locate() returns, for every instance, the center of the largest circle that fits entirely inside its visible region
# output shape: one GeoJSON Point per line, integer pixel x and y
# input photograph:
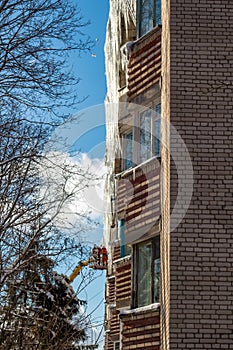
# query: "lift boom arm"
{"type": "Point", "coordinates": [78, 269]}
{"type": "Point", "coordinates": [100, 264]}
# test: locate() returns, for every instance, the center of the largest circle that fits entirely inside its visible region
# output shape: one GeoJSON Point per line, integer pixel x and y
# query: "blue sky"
{"type": "Point", "coordinates": [90, 68]}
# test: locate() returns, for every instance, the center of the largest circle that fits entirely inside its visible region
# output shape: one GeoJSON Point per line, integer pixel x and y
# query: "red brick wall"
{"type": "Point", "coordinates": [116, 252]}
{"type": "Point", "coordinates": [144, 68]}
{"type": "Point", "coordinates": [123, 284]}
{"type": "Point", "coordinates": [111, 291]}
{"type": "Point", "coordinates": [201, 314]}
{"type": "Point", "coordinates": [138, 195]}
{"type": "Point", "coordinates": [141, 330]}
{"type": "Point", "coordinates": [115, 325]}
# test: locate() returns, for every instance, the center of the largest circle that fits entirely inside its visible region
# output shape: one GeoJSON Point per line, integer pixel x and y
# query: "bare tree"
{"type": "Point", "coordinates": [38, 307]}
{"type": "Point", "coordinates": [36, 38]}
{"type": "Point", "coordinates": [33, 304]}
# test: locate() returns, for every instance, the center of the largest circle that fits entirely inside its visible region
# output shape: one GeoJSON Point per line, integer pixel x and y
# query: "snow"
{"type": "Point", "coordinates": [120, 10]}
{"type": "Point", "coordinates": [125, 53]}
{"type": "Point", "coordinates": [154, 306]}
{"type": "Point", "coordinates": [50, 296]}
{"type": "Point", "coordinates": [124, 259]}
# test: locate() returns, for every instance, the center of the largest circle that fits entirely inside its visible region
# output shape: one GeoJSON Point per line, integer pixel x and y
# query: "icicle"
{"type": "Point", "coordinates": [120, 10]}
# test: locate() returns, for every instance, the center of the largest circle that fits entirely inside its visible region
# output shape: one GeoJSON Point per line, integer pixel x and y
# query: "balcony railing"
{"type": "Point", "coordinates": [138, 195]}
{"type": "Point", "coordinates": [123, 282]}
{"type": "Point", "coordinates": [141, 328]}
{"type": "Point", "coordinates": [144, 68]}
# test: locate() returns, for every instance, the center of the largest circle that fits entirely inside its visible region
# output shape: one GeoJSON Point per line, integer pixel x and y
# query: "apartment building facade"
{"type": "Point", "coordinates": [169, 207]}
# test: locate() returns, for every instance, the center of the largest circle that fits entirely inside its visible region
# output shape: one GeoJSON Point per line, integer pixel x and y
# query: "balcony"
{"type": "Point", "coordinates": [144, 68]}
{"type": "Point", "coordinates": [138, 199]}
{"type": "Point", "coordinates": [123, 282]}
{"type": "Point", "coordinates": [141, 328]}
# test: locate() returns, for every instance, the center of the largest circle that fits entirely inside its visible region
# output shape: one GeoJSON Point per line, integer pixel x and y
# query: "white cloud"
{"type": "Point", "coordinates": [80, 178]}
{"type": "Point", "coordinates": [93, 195]}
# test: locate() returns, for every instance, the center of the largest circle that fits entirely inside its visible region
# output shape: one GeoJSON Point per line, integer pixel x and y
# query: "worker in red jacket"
{"type": "Point", "coordinates": [104, 256]}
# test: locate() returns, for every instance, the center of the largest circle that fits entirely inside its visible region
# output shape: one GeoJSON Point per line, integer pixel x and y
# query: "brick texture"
{"type": "Point", "coordinates": [123, 284]}
{"type": "Point", "coordinates": [201, 313]}
{"type": "Point", "coordinates": [138, 195]}
{"type": "Point", "coordinates": [141, 331]}
{"type": "Point", "coordinates": [144, 69]}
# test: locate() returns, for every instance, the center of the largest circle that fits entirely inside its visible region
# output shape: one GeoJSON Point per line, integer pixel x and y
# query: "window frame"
{"type": "Point", "coordinates": [157, 129]}
{"type": "Point", "coordinates": [155, 119]}
{"type": "Point", "coordinates": [116, 345]}
{"type": "Point", "coordinates": [125, 156]}
{"type": "Point", "coordinates": [134, 128]}
{"type": "Point", "coordinates": [155, 13]}
{"type": "Point", "coordinates": [155, 256]}
{"type": "Point", "coordinates": [124, 248]}
{"type": "Point", "coordinates": [149, 150]}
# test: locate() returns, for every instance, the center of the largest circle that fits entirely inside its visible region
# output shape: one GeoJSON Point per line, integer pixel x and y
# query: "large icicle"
{"type": "Point", "coordinates": [120, 10]}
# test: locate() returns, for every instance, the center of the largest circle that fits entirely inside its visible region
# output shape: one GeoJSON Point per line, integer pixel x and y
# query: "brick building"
{"type": "Point", "coordinates": [169, 190]}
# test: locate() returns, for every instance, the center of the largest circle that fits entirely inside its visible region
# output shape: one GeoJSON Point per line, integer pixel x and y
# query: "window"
{"type": "Point", "coordinates": [157, 129]}
{"type": "Point", "coordinates": [141, 141]}
{"type": "Point", "coordinates": [124, 249]}
{"type": "Point", "coordinates": [148, 15]}
{"type": "Point", "coordinates": [117, 345]}
{"type": "Point", "coordinates": [147, 272]}
{"type": "Point", "coordinates": [150, 133]}
{"type": "Point", "coordinates": [145, 135]}
{"type": "Point", "coordinates": [128, 156]}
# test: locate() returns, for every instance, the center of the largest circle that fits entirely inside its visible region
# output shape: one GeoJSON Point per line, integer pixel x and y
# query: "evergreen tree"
{"type": "Point", "coordinates": [41, 309]}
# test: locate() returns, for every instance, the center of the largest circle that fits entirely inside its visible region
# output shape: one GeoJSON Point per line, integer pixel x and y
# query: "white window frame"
{"type": "Point", "coordinates": [124, 143]}
{"type": "Point", "coordinates": [155, 263]}
{"type": "Point", "coordinates": [154, 117]}
{"type": "Point", "coordinates": [116, 345]}
{"type": "Point", "coordinates": [135, 130]}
